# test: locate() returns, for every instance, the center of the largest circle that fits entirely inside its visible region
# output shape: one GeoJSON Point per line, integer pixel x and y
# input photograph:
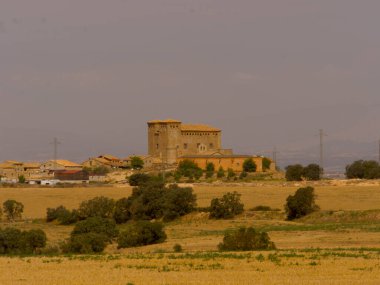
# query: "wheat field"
{"type": "Point", "coordinates": [339, 245]}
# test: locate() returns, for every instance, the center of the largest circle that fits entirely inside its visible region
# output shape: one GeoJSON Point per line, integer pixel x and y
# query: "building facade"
{"type": "Point", "coordinates": [170, 139]}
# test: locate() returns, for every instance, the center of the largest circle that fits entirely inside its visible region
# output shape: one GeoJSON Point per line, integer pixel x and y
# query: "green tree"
{"type": "Point", "coordinates": [13, 209]}
{"type": "Point", "coordinates": [266, 163]}
{"type": "Point", "coordinates": [226, 207]}
{"type": "Point", "coordinates": [210, 169]}
{"type": "Point", "coordinates": [243, 175]}
{"type": "Point", "coordinates": [189, 169]}
{"type": "Point", "coordinates": [301, 203]}
{"type": "Point", "coordinates": [21, 179]}
{"type": "Point", "coordinates": [230, 173]}
{"type": "Point", "coordinates": [294, 172]}
{"type": "Point", "coordinates": [97, 207]}
{"type": "Point", "coordinates": [245, 239]}
{"type": "Point", "coordinates": [312, 172]}
{"type": "Point", "coordinates": [141, 233]}
{"type": "Point", "coordinates": [220, 173]}
{"type": "Point", "coordinates": [249, 165]}
{"type": "Point", "coordinates": [106, 227]}
{"type": "Point", "coordinates": [137, 162]}
{"type": "Point", "coordinates": [363, 169]}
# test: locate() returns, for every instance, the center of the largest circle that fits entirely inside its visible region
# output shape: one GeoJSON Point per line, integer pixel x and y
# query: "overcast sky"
{"type": "Point", "coordinates": [267, 72]}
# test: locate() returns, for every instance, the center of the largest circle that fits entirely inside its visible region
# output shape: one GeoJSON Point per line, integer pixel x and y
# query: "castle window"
{"type": "Point", "coordinates": [211, 145]}
{"type": "Point", "coordinates": [185, 145]}
{"type": "Point", "coordinates": [157, 146]}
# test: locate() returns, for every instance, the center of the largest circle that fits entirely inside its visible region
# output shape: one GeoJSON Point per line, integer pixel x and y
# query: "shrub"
{"type": "Point", "coordinates": [21, 179]}
{"type": "Point", "coordinates": [139, 179]}
{"type": "Point", "coordinates": [189, 169]}
{"type": "Point", "coordinates": [243, 175]}
{"type": "Point", "coordinates": [137, 162]}
{"type": "Point", "coordinates": [141, 233]}
{"type": "Point", "coordinates": [106, 227]}
{"type": "Point", "coordinates": [294, 172]}
{"type": "Point", "coordinates": [97, 207]}
{"type": "Point", "coordinates": [178, 202]}
{"type": "Point", "coordinates": [15, 241]}
{"type": "Point", "coordinates": [301, 203]}
{"type": "Point", "coordinates": [122, 212]}
{"type": "Point", "coordinates": [85, 243]}
{"type": "Point", "coordinates": [63, 215]}
{"type": "Point", "coordinates": [210, 169]}
{"type": "Point", "coordinates": [312, 172]}
{"type": "Point", "coordinates": [266, 163]}
{"type": "Point", "coordinates": [177, 248]}
{"type": "Point", "coordinates": [249, 165]}
{"type": "Point", "coordinates": [245, 239]}
{"type": "Point", "coordinates": [226, 207]}
{"type": "Point", "coordinates": [362, 169]}
{"type": "Point", "coordinates": [230, 173]}
{"type": "Point", "coordinates": [13, 209]}
{"type": "Point", "coordinates": [220, 173]}
{"type": "Point", "coordinates": [100, 170]}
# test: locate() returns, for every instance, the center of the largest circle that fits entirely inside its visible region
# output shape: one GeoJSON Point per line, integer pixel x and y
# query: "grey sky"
{"type": "Point", "coordinates": [269, 73]}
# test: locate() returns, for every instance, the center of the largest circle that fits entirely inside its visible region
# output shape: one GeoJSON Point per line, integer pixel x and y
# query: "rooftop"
{"type": "Point", "coordinates": [198, 128]}
{"type": "Point", "coordinates": [66, 163]}
{"type": "Point", "coordinates": [163, 121]}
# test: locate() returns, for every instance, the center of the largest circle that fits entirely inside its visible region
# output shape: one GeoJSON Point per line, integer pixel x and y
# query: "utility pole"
{"type": "Point", "coordinates": [379, 151]}
{"type": "Point", "coordinates": [275, 155]}
{"type": "Point", "coordinates": [321, 145]}
{"type": "Point", "coordinates": [55, 144]}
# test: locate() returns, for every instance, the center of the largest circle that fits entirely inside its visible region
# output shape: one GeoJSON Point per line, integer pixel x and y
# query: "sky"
{"type": "Point", "coordinates": [269, 73]}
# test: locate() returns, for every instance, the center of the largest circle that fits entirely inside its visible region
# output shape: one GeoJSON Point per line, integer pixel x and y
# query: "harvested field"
{"type": "Point", "coordinates": [340, 244]}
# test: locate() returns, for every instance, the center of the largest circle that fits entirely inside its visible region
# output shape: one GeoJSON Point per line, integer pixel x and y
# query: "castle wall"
{"type": "Point", "coordinates": [199, 142]}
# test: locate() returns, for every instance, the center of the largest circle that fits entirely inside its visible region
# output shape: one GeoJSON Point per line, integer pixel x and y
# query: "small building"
{"type": "Point", "coordinates": [107, 160]}
{"type": "Point", "coordinates": [60, 164]}
{"type": "Point", "coordinates": [149, 161]}
{"type": "Point", "coordinates": [71, 175]}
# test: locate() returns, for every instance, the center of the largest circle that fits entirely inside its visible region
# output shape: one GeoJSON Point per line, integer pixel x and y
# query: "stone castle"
{"type": "Point", "coordinates": [170, 141]}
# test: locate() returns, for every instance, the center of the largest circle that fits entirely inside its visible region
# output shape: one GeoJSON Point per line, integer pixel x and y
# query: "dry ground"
{"type": "Point", "coordinates": [352, 223]}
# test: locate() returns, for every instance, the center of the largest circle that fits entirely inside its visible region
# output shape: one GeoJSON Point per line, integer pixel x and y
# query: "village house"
{"type": "Point", "coordinates": [108, 161]}
{"type": "Point", "coordinates": [60, 164]}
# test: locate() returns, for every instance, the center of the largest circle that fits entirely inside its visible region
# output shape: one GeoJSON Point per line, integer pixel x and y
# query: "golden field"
{"type": "Point", "coordinates": [339, 245]}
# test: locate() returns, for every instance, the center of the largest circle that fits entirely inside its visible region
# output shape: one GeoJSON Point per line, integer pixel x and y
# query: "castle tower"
{"type": "Point", "coordinates": [164, 138]}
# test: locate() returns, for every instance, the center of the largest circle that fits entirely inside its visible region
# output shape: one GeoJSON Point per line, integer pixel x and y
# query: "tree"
{"type": "Point", "coordinates": [85, 243]}
{"type": "Point", "coordinates": [97, 207]}
{"type": "Point", "coordinates": [249, 165]}
{"type": "Point", "coordinates": [294, 172]}
{"type": "Point", "coordinates": [226, 207]}
{"type": "Point", "coordinates": [363, 169]}
{"type": "Point", "coordinates": [15, 241]}
{"type": "Point", "coordinates": [243, 175]}
{"type": "Point", "coordinates": [178, 202]}
{"type": "Point", "coordinates": [106, 227]}
{"type": "Point", "coordinates": [138, 179]}
{"type": "Point", "coordinates": [21, 179]}
{"type": "Point", "coordinates": [210, 169]}
{"type": "Point", "coordinates": [141, 233]}
{"type": "Point", "coordinates": [63, 215]}
{"type": "Point", "coordinates": [122, 212]}
{"type": "Point", "coordinates": [220, 173]}
{"type": "Point", "coordinates": [230, 173]}
{"type": "Point", "coordinates": [266, 163]}
{"type": "Point", "coordinates": [189, 169]}
{"type": "Point", "coordinates": [301, 203]}
{"type": "Point", "coordinates": [13, 209]}
{"type": "Point", "coordinates": [137, 162]}
{"type": "Point", "coordinates": [312, 172]}
{"type": "Point", "coordinates": [245, 239]}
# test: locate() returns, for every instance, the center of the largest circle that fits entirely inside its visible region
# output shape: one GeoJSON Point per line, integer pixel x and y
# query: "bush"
{"type": "Point", "coordinates": [243, 175]}
{"type": "Point", "coordinates": [226, 207]}
{"type": "Point", "coordinates": [137, 162]}
{"type": "Point", "coordinates": [363, 169]}
{"type": "Point", "coordinates": [210, 169]}
{"type": "Point", "coordinates": [266, 163]}
{"type": "Point", "coordinates": [301, 203]}
{"type": "Point", "coordinates": [139, 179]}
{"type": "Point", "coordinates": [85, 243]}
{"type": "Point", "coordinates": [97, 207]}
{"type": "Point", "coordinates": [249, 165]}
{"type": "Point", "coordinates": [15, 241]}
{"type": "Point", "coordinates": [21, 179]}
{"type": "Point", "coordinates": [189, 169]}
{"type": "Point", "coordinates": [294, 172]}
{"type": "Point", "coordinates": [230, 173]}
{"type": "Point", "coordinates": [246, 239]}
{"type": "Point", "coordinates": [263, 208]}
{"type": "Point", "coordinates": [141, 233]}
{"type": "Point", "coordinates": [220, 173]}
{"type": "Point", "coordinates": [105, 227]}
{"type": "Point", "coordinates": [122, 212]}
{"type": "Point", "coordinates": [13, 209]}
{"type": "Point", "coordinates": [312, 172]}
{"type": "Point", "coordinates": [100, 170]}
{"type": "Point", "coordinates": [63, 215]}
{"type": "Point", "coordinates": [177, 247]}
{"type": "Point", "coordinates": [178, 202]}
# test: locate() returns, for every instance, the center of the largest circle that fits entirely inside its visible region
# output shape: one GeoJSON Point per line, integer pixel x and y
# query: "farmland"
{"type": "Point", "coordinates": [341, 241]}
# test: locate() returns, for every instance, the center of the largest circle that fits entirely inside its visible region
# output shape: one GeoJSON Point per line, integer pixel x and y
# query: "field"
{"type": "Point", "coordinates": [339, 245]}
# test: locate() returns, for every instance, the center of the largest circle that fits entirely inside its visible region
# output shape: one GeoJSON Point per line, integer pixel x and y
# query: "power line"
{"type": "Point", "coordinates": [321, 148]}
{"type": "Point", "coordinates": [55, 144]}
